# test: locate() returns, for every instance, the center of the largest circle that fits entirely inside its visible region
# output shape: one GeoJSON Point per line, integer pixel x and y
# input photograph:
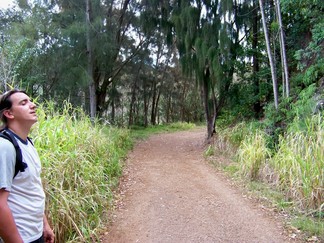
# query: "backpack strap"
{"type": "Point", "coordinates": [20, 165]}
{"type": "Point", "coordinates": [30, 140]}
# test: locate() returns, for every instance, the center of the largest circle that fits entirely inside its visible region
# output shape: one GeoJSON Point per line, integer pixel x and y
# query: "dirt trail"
{"type": "Point", "coordinates": [169, 193]}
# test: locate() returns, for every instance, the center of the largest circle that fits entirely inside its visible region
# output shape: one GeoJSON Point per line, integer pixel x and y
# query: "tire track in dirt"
{"type": "Point", "coordinates": [169, 193]}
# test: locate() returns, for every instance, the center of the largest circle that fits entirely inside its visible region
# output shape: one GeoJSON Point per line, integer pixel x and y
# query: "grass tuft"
{"type": "Point", "coordinates": [253, 155]}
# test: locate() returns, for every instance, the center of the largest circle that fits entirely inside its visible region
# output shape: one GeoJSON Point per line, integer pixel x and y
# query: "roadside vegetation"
{"type": "Point", "coordinates": [281, 162]}
{"type": "Point", "coordinates": [82, 161]}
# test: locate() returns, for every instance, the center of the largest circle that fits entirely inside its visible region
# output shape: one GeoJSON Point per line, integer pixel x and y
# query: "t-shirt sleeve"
{"type": "Point", "coordinates": [7, 163]}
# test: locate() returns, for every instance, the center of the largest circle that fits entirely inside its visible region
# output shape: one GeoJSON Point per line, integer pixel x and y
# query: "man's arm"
{"type": "Point", "coordinates": [48, 232]}
{"type": "Point", "coordinates": [8, 229]}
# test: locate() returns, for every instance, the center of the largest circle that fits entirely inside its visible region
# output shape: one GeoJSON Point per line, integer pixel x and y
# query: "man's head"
{"type": "Point", "coordinates": [16, 105]}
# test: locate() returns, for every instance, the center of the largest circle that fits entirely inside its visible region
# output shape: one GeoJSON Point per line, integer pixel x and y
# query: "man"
{"type": "Point", "coordinates": [22, 198]}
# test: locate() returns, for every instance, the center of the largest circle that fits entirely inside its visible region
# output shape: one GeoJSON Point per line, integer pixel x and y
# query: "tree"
{"type": "Point", "coordinates": [255, 57]}
{"type": "Point", "coordinates": [208, 43]}
{"type": "Point", "coordinates": [283, 51]}
{"type": "Point", "coordinates": [272, 65]}
{"type": "Point", "coordinates": [92, 37]}
{"type": "Point", "coordinates": [131, 53]}
{"type": "Point", "coordinates": [90, 64]}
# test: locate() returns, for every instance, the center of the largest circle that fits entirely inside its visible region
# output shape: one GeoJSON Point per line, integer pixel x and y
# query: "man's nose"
{"type": "Point", "coordinates": [32, 105]}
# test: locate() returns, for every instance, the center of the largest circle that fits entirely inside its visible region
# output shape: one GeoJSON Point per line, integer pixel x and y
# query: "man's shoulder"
{"type": "Point", "coordinates": [6, 144]}
{"type": "Point", "coordinates": [7, 152]}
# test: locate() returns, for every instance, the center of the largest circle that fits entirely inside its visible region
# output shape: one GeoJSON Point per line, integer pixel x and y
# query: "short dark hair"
{"type": "Point", "coordinates": [6, 103]}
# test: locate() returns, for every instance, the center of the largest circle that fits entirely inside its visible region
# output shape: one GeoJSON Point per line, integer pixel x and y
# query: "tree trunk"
{"type": "Point", "coordinates": [168, 109]}
{"type": "Point", "coordinates": [106, 78]}
{"type": "Point", "coordinates": [283, 50]}
{"type": "Point", "coordinates": [92, 86]}
{"type": "Point", "coordinates": [272, 66]}
{"type": "Point", "coordinates": [145, 106]}
{"type": "Point", "coordinates": [113, 111]}
{"type": "Point", "coordinates": [154, 95]}
{"type": "Point", "coordinates": [156, 110]}
{"type": "Point", "coordinates": [133, 99]}
{"type": "Point", "coordinates": [255, 59]}
{"type": "Point", "coordinates": [157, 113]}
{"type": "Point", "coordinates": [183, 105]}
{"type": "Point", "coordinates": [210, 109]}
{"type": "Point", "coordinates": [132, 104]}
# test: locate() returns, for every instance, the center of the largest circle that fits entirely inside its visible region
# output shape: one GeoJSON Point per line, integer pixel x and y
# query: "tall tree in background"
{"type": "Point", "coordinates": [90, 64]}
{"type": "Point", "coordinates": [206, 34]}
{"type": "Point", "coordinates": [271, 62]}
{"type": "Point", "coordinates": [208, 43]}
{"type": "Point", "coordinates": [283, 50]}
{"type": "Point", "coordinates": [255, 56]}
{"type": "Point", "coordinates": [91, 38]}
{"type": "Point", "coordinates": [51, 49]}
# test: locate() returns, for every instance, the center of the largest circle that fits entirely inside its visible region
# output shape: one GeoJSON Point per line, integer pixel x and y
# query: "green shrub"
{"type": "Point", "coordinates": [289, 114]}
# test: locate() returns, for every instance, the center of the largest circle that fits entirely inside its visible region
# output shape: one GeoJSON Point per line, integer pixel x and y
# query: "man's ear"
{"type": "Point", "coordinates": [8, 114]}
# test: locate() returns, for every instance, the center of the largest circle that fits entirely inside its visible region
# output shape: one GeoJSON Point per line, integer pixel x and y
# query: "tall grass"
{"type": "Point", "coordinates": [81, 165]}
{"type": "Point", "coordinates": [294, 166]}
{"type": "Point", "coordinates": [300, 163]}
{"type": "Point", "coordinates": [229, 139]}
{"type": "Point", "coordinates": [253, 154]}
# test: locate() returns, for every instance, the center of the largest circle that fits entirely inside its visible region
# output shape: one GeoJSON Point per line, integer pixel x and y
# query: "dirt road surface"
{"type": "Point", "coordinates": [170, 194]}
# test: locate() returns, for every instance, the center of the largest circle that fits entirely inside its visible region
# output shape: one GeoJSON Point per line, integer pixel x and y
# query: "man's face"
{"type": "Point", "coordinates": [23, 109]}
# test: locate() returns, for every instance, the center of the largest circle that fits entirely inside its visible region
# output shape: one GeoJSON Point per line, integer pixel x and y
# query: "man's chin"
{"type": "Point", "coordinates": [34, 120]}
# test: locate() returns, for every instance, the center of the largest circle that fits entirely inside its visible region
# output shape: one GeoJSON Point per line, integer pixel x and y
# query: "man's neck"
{"type": "Point", "coordinates": [22, 132]}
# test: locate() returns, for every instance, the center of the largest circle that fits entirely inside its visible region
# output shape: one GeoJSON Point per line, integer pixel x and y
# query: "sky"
{"type": "Point", "coordinates": [5, 3]}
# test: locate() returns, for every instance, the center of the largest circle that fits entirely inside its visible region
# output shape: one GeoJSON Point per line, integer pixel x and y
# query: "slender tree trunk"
{"type": "Point", "coordinates": [145, 106]}
{"type": "Point", "coordinates": [133, 98]}
{"type": "Point", "coordinates": [272, 66]}
{"type": "Point", "coordinates": [255, 59]}
{"type": "Point", "coordinates": [283, 50]}
{"type": "Point", "coordinates": [154, 86]}
{"type": "Point", "coordinates": [92, 86]}
{"type": "Point", "coordinates": [156, 109]}
{"type": "Point", "coordinates": [132, 104]}
{"type": "Point", "coordinates": [168, 109]}
{"type": "Point", "coordinates": [153, 102]}
{"type": "Point", "coordinates": [113, 111]}
{"type": "Point", "coordinates": [137, 112]}
{"type": "Point", "coordinates": [183, 106]}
